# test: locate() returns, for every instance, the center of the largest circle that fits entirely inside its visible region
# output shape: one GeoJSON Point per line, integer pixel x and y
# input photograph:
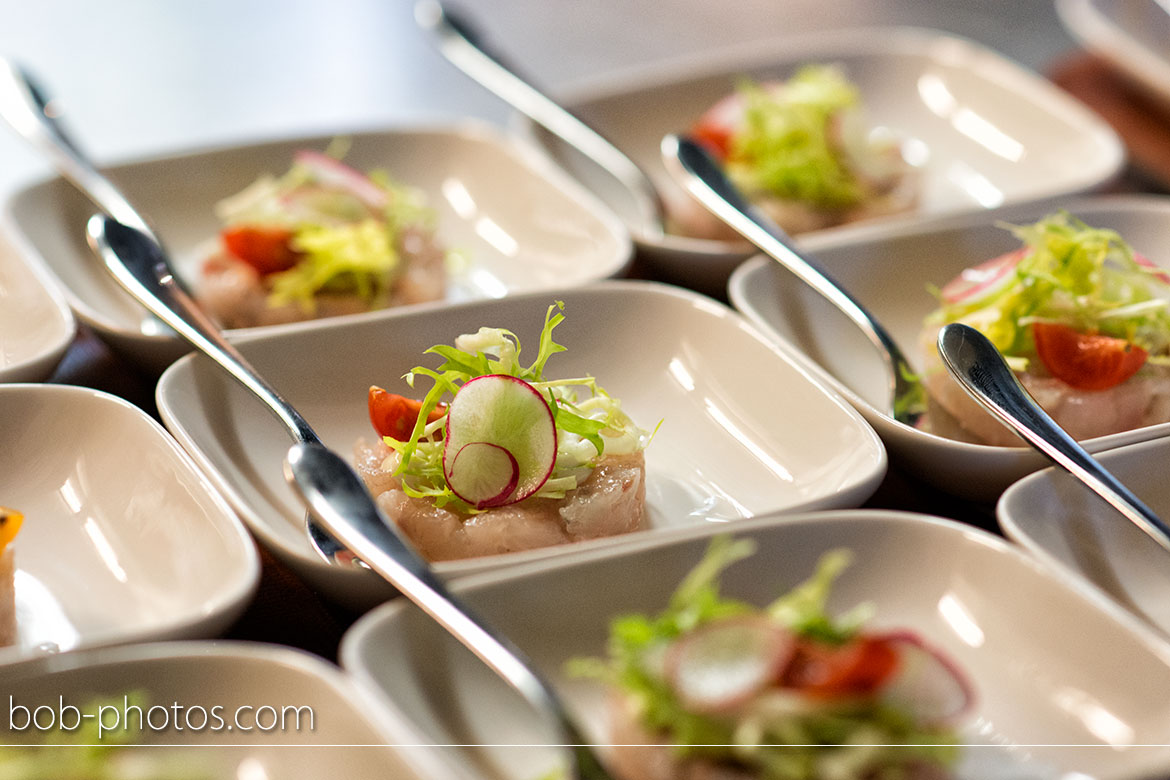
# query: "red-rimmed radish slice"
{"type": "Point", "coordinates": [984, 279]}
{"type": "Point", "coordinates": [722, 665]}
{"type": "Point", "coordinates": [1159, 273]}
{"type": "Point", "coordinates": [332, 172]}
{"type": "Point", "coordinates": [509, 414]}
{"type": "Point", "coordinates": [926, 683]}
{"type": "Point", "coordinates": [483, 474]}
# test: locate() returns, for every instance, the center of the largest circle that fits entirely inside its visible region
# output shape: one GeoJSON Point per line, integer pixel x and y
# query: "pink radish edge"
{"type": "Point", "coordinates": [501, 496]}
{"type": "Point", "coordinates": [454, 441]}
{"type": "Point", "coordinates": [332, 171]}
{"type": "Point", "coordinates": [910, 645]}
{"type": "Point", "coordinates": [775, 649]}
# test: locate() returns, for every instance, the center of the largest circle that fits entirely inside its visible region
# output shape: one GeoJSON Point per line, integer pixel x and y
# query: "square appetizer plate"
{"type": "Point", "coordinates": [1058, 686]}
{"type": "Point", "coordinates": [741, 428]}
{"type": "Point", "coordinates": [1069, 528]}
{"type": "Point", "coordinates": [123, 538]}
{"type": "Point", "coordinates": [515, 222]}
{"type": "Point", "coordinates": [36, 324]}
{"type": "Point", "coordinates": [199, 711]}
{"type": "Point", "coordinates": [983, 131]}
{"type": "Point", "coordinates": [891, 272]}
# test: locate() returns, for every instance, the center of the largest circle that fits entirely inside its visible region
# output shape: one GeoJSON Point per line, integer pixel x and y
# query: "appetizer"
{"type": "Point", "coordinates": [321, 240]}
{"type": "Point", "coordinates": [801, 151]}
{"type": "Point", "coordinates": [512, 461]}
{"type": "Point", "coordinates": [714, 687]}
{"type": "Point", "coordinates": [1082, 319]}
{"type": "Point", "coordinates": [10, 522]}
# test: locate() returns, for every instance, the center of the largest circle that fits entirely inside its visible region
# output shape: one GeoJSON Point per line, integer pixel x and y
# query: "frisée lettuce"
{"type": "Point", "coordinates": [1066, 273]}
{"type": "Point", "coordinates": [782, 692]}
{"type": "Point", "coordinates": [589, 422]}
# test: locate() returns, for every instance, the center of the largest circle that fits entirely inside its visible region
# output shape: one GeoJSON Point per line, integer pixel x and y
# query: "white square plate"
{"type": "Point", "coordinates": [219, 711]}
{"type": "Point", "coordinates": [744, 430]}
{"type": "Point", "coordinates": [889, 272]}
{"type": "Point", "coordinates": [1132, 35]}
{"type": "Point", "coordinates": [520, 223]}
{"type": "Point", "coordinates": [1060, 686]}
{"type": "Point", "coordinates": [123, 539]}
{"type": "Point", "coordinates": [987, 132]}
{"type": "Point", "coordinates": [36, 324]}
{"type": "Point", "coordinates": [1068, 527]}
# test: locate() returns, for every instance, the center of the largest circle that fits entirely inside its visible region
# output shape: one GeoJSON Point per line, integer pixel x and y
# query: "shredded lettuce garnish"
{"type": "Point", "coordinates": [1072, 274]}
{"type": "Point", "coordinates": [590, 423]}
{"type": "Point", "coordinates": [786, 146]}
{"type": "Point", "coordinates": [345, 243]}
{"type": "Point", "coordinates": [782, 735]}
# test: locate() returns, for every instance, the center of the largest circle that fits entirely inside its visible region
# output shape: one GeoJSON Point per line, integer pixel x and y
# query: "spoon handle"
{"type": "Point", "coordinates": [24, 105]}
{"type": "Point", "coordinates": [339, 500]}
{"type": "Point", "coordinates": [703, 178]}
{"type": "Point", "coordinates": [139, 265]}
{"type": "Point", "coordinates": [985, 375]}
{"type": "Point", "coordinates": [462, 48]}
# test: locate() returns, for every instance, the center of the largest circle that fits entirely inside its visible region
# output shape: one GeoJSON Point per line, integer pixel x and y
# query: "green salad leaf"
{"type": "Point", "coordinates": [1073, 274]}
{"type": "Point", "coordinates": [781, 735]}
{"type": "Point", "coordinates": [590, 423]}
{"type": "Point", "coordinates": [786, 145]}
{"type": "Point", "coordinates": [347, 239]}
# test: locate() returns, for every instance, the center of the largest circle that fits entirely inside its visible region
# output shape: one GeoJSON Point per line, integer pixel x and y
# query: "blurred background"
{"type": "Point", "coordinates": [138, 78]}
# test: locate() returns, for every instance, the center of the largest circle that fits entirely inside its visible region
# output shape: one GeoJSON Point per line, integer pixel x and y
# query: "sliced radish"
{"type": "Point", "coordinates": [1146, 262]}
{"type": "Point", "coordinates": [926, 682]}
{"type": "Point", "coordinates": [984, 279]}
{"type": "Point", "coordinates": [508, 415]}
{"type": "Point", "coordinates": [333, 172]}
{"type": "Point", "coordinates": [483, 474]}
{"type": "Point", "coordinates": [722, 665]}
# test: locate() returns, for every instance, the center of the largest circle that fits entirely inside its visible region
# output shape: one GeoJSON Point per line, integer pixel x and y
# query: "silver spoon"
{"type": "Point", "coordinates": [694, 169]}
{"type": "Point", "coordinates": [329, 487]}
{"type": "Point", "coordinates": [979, 367]}
{"type": "Point", "coordinates": [463, 48]}
{"type": "Point", "coordinates": [29, 111]}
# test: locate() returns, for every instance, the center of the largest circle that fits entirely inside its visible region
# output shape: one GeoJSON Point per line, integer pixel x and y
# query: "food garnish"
{"type": "Point", "coordinates": [1075, 311]}
{"type": "Point", "coordinates": [802, 150]}
{"type": "Point", "coordinates": [786, 691]}
{"type": "Point", "coordinates": [507, 433]}
{"type": "Point", "coordinates": [321, 230]}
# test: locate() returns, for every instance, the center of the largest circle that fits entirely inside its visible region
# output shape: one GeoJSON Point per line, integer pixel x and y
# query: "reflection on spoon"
{"type": "Point", "coordinates": [979, 367]}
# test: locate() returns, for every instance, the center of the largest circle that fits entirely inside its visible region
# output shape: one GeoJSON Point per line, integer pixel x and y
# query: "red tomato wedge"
{"type": "Point", "coordinates": [985, 278]}
{"type": "Point", "coordinates": [1086, 361]}
{"type": "Point", "coordinates": [394, 415]}
{"type": "Point", "coordinates": [264, 248]}
{"type": "Point", "coordinates": [860, 666]}
{"type": "Point", "coordinates": [718, 124]}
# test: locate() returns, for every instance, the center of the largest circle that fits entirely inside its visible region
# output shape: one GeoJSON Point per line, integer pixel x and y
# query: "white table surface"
{"type": "Point", "coordinates": [144, 77]}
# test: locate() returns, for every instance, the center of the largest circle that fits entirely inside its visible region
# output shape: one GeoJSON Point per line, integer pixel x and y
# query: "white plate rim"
{"type": "Point", "coordinates": [227, 601]}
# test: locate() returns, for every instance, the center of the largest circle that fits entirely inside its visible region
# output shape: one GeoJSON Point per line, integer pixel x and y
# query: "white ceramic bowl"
{"type": "Point", "coordinates": [888, 271]}
{"type": "Point", "coordinates": [123, 539]}
{"type": "Point", "coordinates": [986, 132]}
{"type": "Point", "coordinates": [743, 429]}
{"type": "Point", "coordinates": [281, 713]}
{"type": "Point", "coordinates": [1060, 685]}
{"type": "Point", "coordinates": [36, 324]}
{"type": "Point", "coordinates": [1084, 539]}
{"type": "Point", "coordinates": [520, 223]}
{"type": "Point", "coordinates": [1131, 35]}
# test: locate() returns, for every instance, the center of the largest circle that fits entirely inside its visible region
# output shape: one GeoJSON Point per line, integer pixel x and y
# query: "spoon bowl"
{"type": "Point", "coordinates": [978, 366]}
